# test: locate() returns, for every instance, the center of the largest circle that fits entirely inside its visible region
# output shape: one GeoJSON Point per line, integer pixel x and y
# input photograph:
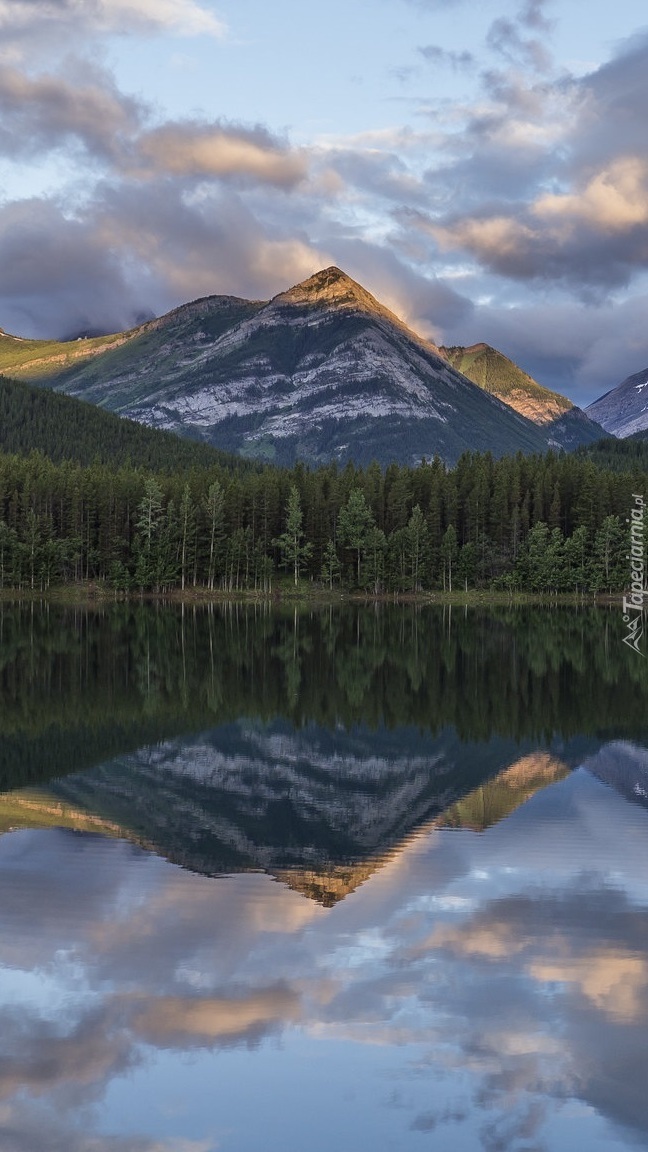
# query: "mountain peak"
{"type": "Point", "coordinates": [331, 290]}
{"type": "Point", "coordinates": [329, 279]}
{"type": "Point", "coordinates": [330, 286]}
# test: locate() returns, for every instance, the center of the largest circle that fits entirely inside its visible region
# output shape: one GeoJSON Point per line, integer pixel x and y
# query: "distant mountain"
{"type": "Point", "coordinates": [326, 873]}
{"type": "Point", "coordinates": [623, 410]}
{"type": "Point", "coordinates": [501, 796]}
{"type": "Point", "coordinates": [321, 372]}
{"type": "Point", "coordinates": [565, 425]}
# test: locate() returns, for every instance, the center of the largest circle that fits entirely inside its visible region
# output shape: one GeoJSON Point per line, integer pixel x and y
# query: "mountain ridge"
{"type": "Point", "coordinates": [323, 371]}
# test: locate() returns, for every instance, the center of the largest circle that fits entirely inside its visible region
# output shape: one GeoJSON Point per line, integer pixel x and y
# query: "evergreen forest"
{"type": "Point", "coordinates": [87, 496]}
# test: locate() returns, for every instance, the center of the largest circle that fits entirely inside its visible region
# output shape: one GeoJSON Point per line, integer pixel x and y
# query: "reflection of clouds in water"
{"type": "Point", "coordinates": [173, 1022]}
{"type": "Point", "coordinates": [36, 1127]}
{"type": "Point", "coordinates": [519, 996]}
{"type": "Point", "coordinates": [39, 1057]}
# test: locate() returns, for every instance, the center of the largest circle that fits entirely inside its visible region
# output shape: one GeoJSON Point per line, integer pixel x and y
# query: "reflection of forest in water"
{"type": "Point", "coordinates": [523, 672]}
{"type": "Point", "coordinates": [233, 737]}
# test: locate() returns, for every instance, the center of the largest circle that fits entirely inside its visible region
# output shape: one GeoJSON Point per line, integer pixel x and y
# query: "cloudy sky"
{"type": "Point", "coordinates": [481, 167]}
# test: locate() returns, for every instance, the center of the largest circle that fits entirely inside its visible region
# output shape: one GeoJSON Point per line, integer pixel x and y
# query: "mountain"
{"type": "Point", "coordinates": [624, 409]}
{"type": "Point", "coordinates": [566, 425]}
{"type": "Point", "coordinates": [320, 372]}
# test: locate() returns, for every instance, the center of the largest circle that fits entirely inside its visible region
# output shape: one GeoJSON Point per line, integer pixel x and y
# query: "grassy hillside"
{"type": "Point", "coordinates": [41, 359]}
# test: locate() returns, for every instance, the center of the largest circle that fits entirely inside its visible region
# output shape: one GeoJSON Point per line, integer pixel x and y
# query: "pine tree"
{"type": "Point", "coordinates": [147, 541]}
{"type": "Point", "coordinates": [416, 535]}
{"type": "Point", "coordinates": [187, 519]}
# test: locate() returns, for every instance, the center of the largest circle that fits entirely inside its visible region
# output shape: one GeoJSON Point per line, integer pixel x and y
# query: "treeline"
{"type": "Point", "coordinates": [618, 455]}
{"type": "Point", "coordinates": [542, 523]}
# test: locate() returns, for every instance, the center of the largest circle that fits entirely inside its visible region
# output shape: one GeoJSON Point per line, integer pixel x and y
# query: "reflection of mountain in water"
{"type": "Point", "coordinates": [498, 798]}
{"type": "Point", "coordinates": [330, 805]}
{"type": "Point", "coordinates": [624, 767]}
{"type": "Point", "coordinates": [478, 810]}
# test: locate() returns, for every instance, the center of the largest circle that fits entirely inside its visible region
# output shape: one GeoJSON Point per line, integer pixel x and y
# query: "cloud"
{"type": "Point", "coordinates": [532, 14]}
{"type": "Point", "coordinates": [435, 5]}
{"type": "Point", "coordinates": [593, 235]}
{"type": "Point", "coordinates": [84, 108]}
{"type": "Point", "coordinates": [140, 245]}
{"type": "Point", "coordinates": [551, 176]}
{"type": "Point", "coordinates": [45, 113]}
{"type": "Point", "coordinates": [534, 189]}
{"type": "Point", "coordinates": [32, 21]}
{"type": "Point", "coordinates": [434, 54]}
{"type": "Point", "coordinates": [489, 999]}
{"type": "Point", "coordinates": [155, 220]}
{"type": "Point", "coordinates": [197, 150]}
{"type": "Point", "coordinates": [505, 39]}
{"type": "Point", "coordinates": [373, 173]}
{"type": "Point", "coordinates": [600, 976]}
{"type": "Point", "coordinates": [429, 305]}
{"type": "Point", "coordinates": [57, 274]}
{"type": "Point", "coordinates": [37, 1058]}
{"type": "Point", "coordinates": [29, 1125]}
{"type": "Point", "coordinates": [613, 200]}
{"type": "Point", "coordinates": [580, 348]}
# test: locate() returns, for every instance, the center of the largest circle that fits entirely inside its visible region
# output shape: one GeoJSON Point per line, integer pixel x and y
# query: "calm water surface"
{"type": "Point", "coordinates": [342, 879]}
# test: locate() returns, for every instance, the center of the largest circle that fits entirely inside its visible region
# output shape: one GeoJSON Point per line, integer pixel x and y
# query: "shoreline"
{"type": "Point", "coordinates": [93, 594]}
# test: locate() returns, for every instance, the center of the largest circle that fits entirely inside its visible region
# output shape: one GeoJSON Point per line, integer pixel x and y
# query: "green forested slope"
{"type": "Point", "coordinates": [64, 428]}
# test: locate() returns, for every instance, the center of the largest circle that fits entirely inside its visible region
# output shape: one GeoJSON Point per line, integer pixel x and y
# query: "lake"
{"type": "Point", "coordinates": [291, 879]}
